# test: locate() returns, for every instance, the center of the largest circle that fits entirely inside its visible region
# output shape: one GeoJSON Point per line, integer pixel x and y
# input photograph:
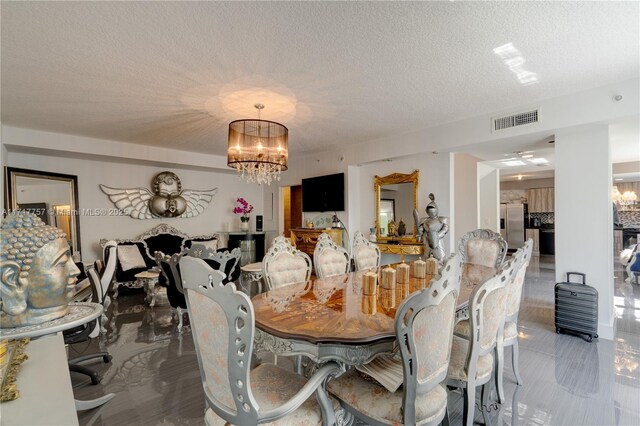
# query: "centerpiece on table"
{"type": "Point", "coordinates": [243, 208]}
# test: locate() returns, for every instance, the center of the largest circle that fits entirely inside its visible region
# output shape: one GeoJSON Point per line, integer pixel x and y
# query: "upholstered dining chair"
{"type": "Point", "coordinates": [283, 264]}
{"type": "Point", "coordinates": [483, 247]}
{"type": "Point", "coordinates": [424, 330]}
{"type": "Point", "coordinates": [329, 259]}
{"type": "Point", "coordinates": [472, 362]}
{"type": "Point", "coordinates": [520, 262]}
{"type": "Point", "coordinates": [365, 254]}
{"type": "Point", "coordinates": [223, 324]}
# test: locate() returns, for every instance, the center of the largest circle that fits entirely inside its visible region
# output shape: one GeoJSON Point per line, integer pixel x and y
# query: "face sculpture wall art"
{"type": "Point", "coordinates": [37, 273]}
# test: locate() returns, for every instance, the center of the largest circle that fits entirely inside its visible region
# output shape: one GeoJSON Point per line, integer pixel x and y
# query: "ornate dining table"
{"type": "Point", "coordinates": [331, 319]}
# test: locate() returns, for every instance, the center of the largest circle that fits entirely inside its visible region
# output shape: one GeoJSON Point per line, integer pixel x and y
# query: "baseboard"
{"type": "Point", "coordinates": [607, 331]}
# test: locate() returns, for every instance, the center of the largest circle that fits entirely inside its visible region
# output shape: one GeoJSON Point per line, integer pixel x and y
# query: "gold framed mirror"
{"type": "Point", "coordinates": [51, 196]}
{"type": "Point", "coordinates": [396, 198]}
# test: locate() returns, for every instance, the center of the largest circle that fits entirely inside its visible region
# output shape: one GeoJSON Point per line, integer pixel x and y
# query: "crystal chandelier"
{"type": "Point", "coordinates": [258, 149]}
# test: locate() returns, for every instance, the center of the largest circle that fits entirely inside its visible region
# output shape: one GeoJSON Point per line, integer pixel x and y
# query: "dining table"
{"type": "Point", "coordinates": [333, 319]}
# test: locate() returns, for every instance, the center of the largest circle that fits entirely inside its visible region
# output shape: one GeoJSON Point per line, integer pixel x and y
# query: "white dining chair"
{"type": "Point", "coordinates": [329, 259]}
{"type": "Point", "coordinates": [223, 323]}
{"type": "Point", "coordinates": [472, 360]}
{"type": "Point", "coordinates": [365, 254]}
{"type": "Point", "coordinates": [283, 264]}
{"type": "Point", "coordinates": [424, 330]}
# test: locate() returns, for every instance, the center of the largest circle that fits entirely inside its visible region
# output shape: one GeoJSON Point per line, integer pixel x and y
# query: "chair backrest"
{"type": "Point", "coordinates": [483, 247]}
{"type": "Point", "coordinates": [223, 324]}
{"type": "Point", "coordinates": [98, 265]}
{"type": "Point", "coordinates": [487, 308]}
{"type": "Point", "coordinates": [110, 256]}
{"type": "Point", "coordinates": [329, 259]}
{"type": "Point", "coordinates": [424, 329]}
{"type": "Point", "coordinates": [514, 289]}
{"type": "Point", "coordinates": [226, 261]}
{"type": "Point", "coordinates": [170, 268]}
{"type": "Point", "coordinates": [283, 264]}
{"type": "Point", "coordinates": [365, 254]}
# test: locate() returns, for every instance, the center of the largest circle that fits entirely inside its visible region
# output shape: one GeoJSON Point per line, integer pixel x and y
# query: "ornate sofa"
{"type": "Point", "coordinates": [138, 254]}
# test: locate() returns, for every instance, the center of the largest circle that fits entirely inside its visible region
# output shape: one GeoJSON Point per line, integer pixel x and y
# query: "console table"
{"type": "Point", "coordinates": [46, 395]}
{"type": "Point", "coordinates": [305, 239]}
{"type": "Point", "coordinates": [401, 249]}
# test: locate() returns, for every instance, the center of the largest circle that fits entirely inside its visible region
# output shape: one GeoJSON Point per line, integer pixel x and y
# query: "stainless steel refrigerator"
{"type": "Point", "coordinates": [512, 224]}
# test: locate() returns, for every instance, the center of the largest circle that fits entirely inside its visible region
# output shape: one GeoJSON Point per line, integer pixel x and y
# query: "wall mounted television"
{"type": "Point", "coordinates": [323, 193]}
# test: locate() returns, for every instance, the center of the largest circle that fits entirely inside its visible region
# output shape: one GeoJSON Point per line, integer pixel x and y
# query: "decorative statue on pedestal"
{"type": "Point", "coordinates": [432, 229]}
{"type": "Point", "coordinates": [37, 273]}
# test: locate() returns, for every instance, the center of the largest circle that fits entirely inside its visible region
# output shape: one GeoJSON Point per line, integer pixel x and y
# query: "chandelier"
{"type": "Point", "coordinates": [258, 149]}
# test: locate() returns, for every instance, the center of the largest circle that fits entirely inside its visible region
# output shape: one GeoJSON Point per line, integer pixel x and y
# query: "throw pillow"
{"type": "Point", "coordinates": [130, 257]}
{"type": "Point", "coordinates": [210, 244]}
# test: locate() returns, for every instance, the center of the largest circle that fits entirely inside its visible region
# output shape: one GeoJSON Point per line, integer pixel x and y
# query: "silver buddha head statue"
{"type": "Point", "coordinates": [37, 272]}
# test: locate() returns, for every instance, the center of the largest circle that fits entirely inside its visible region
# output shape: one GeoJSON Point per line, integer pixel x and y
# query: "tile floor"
{"type": "Point", "coordinates": [567, 381]}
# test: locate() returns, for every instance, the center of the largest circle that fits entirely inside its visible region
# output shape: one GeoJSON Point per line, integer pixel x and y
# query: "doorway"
{"type": "Point", "coordinates": [292, 197]}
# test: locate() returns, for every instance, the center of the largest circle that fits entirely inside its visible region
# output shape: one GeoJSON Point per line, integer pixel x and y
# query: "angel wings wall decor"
{"type": "Point", "coordinates": [168, 199]}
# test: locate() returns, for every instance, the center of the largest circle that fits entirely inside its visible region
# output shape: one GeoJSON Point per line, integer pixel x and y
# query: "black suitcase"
{"type": "Point", "coordinates": [577, 307]}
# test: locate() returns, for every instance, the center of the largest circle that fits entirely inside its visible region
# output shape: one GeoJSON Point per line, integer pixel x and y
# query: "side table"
{"type": "Point", "coordinates": [148, 280]}
{"type": "Point", "coordinates": [251, 273]}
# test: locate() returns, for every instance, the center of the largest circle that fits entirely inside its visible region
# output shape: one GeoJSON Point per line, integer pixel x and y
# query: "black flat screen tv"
{"type": "Point", "coordinates": [323, 193]}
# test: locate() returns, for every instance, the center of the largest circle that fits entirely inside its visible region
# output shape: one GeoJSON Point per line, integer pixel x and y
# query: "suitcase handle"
{"type": "Point", "coordinates": [579, 274]}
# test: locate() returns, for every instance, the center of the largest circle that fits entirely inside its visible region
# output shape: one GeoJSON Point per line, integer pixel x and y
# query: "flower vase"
{"type": "Point", "coordinates": [244, 225]}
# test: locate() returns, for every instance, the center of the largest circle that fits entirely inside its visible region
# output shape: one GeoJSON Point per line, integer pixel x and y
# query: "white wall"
{"type": "Point", "coordinates": [465, 193]}
{"type": "Point", "coordinates": [488, 197]}
{"type": "Point", "coordinates": [91, 173]}
{"type": "Point", "coordinates": [583, 215]}
{"type": "Point", "coordinates": [433, 177]}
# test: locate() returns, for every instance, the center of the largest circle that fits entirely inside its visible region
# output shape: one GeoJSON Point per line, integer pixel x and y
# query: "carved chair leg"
{"type": "Point", "coordinates": [499, 373]}
{"type": "Point", "coordinates": [469, 400]}
{"type": "Point", "coordinates": [514, 362]}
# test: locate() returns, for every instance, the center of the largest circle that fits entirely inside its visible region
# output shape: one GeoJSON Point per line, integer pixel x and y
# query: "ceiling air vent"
{"type": "Point", "coordinates": [515, 120]}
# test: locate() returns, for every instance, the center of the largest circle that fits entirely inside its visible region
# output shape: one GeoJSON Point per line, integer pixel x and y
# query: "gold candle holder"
{"type": "Point", "coordinates": [369, 283]}
{"type": "Point", "coordinates": [388, 280]}
{"type": "Point", "coordinates": [403, 273]}
{"type": "Point", "coordinates": [419, 268]}
{"type": "Point", "coordinates": [369, 304]}
{"type": "Point", "coordinates": [402, 291]}
{"type": "Point", "coordinates": [432, 266]}
{"type": "Point", "coordinates": [388, 298]}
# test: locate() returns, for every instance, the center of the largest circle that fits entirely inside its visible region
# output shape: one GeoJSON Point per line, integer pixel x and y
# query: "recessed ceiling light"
{"type": "Point", "coordinates": [519, 177]}
{"type": "Point", "coordinates": [618, 179]}
{"type": "Point", "coordinates": [513, 163]}
{"type": "Point", "coordinates": [539, 160]}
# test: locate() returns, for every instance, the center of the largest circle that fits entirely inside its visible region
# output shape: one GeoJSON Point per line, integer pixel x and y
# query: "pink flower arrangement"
{"type": "Point", "coordinates": [243, 208]}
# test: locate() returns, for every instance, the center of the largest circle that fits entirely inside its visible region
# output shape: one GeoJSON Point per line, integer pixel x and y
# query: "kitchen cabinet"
{"type": "Point", "coordinates": [534, 235]}
{"type": "Point", "coordinates": [541, 200]}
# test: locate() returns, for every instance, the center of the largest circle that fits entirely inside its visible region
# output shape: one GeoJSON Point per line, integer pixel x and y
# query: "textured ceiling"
{"type": "Point", "coordinates": [173, 74]}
